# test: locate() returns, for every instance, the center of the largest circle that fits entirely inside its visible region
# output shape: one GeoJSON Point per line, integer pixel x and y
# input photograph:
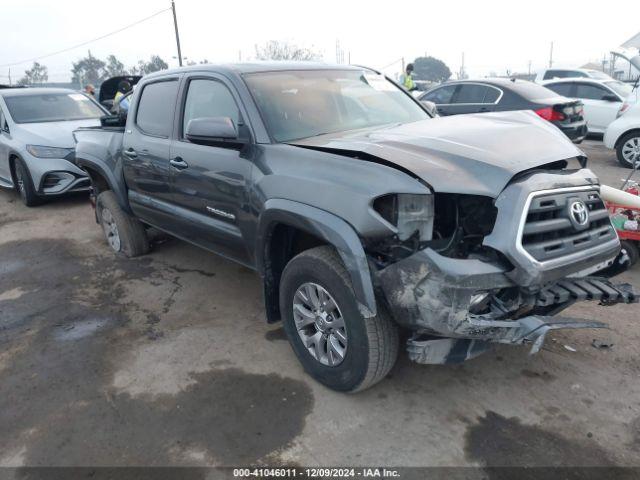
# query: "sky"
{"type": "Point", "coordinates": [494, 36]}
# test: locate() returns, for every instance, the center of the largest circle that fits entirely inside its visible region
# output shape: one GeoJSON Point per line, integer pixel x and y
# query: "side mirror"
{"type": "Point", "coordinates": [209, 130]}
{"type": "Point", "coordinates": [430, 107]}
{"type": "Point", "coordinates": [610, 97]}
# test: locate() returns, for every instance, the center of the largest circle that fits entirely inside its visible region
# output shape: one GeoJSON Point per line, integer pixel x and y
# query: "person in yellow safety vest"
{"type": "Point", "coordinates": [123, 88]}
{"type": "Point", "coordinates": [406, 79]}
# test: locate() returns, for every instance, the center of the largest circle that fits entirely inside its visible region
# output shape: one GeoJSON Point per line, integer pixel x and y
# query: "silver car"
{"type": "Point", "coordinates": [37, 149]}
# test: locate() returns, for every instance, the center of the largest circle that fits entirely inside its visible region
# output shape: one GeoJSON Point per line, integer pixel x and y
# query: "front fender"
{"type": "Point", "coordinates": [332, 229]}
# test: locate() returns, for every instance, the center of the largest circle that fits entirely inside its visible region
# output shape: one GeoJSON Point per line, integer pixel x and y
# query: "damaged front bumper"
{"type": "Point", "coordinates": [457, 308]}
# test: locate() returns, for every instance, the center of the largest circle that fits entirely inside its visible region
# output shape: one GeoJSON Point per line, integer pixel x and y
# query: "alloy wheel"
{"type": "Point", "coordinates": [631, 151]}
{"type": "Point", "coordinates": [110, 229]}
{"type": "Point", "coordinates": [320, 324]}
{"type": "Point", "coordinates": [20, 180]}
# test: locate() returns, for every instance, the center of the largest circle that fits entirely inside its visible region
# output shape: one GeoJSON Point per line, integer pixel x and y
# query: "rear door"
{"type": "Point", "coordinates": [146, 149]}
{"type": "Point", "coordinates": [441, 96]}
{"type": "Point", "coordinates": [598, 113]}
{"type": "Point", "coordinates": [470, 98]}
{"type": "Point", "coordinates": [211, 181]}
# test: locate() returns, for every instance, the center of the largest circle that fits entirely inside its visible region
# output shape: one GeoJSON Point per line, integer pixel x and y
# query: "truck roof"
{"type": "Point", "coordinates": [256, 67]}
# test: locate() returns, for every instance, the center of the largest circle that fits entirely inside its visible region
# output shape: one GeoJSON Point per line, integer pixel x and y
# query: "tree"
{"type": "Point", "coordinates": [431, 69]}
{"type": "Point", "coordinates": [115, 67]}
{"type": "Point", "coordinates": [275, 50]}
{"type": "Point", "coordinates": [36, 74]}
{"type": "Point", "coordinates": [154, 64]}
{"type": "Point", "coordinates": [89, 70]}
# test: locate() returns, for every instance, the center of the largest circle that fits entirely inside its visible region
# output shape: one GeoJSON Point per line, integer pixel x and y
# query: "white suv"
{"type": "Point", "coordinates": [556, 73]}
{"type": "Point", "coordinates": [623, 134]}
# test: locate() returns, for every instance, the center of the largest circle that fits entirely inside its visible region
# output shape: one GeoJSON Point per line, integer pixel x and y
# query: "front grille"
{"type": "Point", "coordinates": [551, 230]}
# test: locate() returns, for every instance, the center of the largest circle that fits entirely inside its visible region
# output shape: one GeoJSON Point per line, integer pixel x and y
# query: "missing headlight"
{"type": "Point", "coordinates": [408, 213]}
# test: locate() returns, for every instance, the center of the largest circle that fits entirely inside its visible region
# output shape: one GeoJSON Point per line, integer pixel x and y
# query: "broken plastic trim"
{"type": "Point", "coordinates": [528, 330]}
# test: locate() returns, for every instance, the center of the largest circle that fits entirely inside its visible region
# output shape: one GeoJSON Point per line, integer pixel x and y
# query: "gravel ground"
{"type": "Point", "coordinates": [167, 360]}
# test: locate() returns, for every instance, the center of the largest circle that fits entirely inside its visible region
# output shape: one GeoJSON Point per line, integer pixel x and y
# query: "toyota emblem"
{"type": "Point", "coordinates": [579, 214]}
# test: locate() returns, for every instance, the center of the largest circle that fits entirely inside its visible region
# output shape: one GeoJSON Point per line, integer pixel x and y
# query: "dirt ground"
{"type": "Point", "coordinates": [167, 360]}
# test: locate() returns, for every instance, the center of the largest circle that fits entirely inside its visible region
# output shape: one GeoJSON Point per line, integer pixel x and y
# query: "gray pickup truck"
{"type": "Point", "coordinates": [363, 214]}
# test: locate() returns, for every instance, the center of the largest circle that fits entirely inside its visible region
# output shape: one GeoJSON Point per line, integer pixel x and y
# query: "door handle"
{"type": "Point", "coordinates": [178, 163]}
{"type": "Point", "coordinates": [131, 153]}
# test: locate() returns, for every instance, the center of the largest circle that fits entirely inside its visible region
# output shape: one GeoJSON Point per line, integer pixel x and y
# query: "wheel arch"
{"type": "Point", "coordinates": [285, 226]}
{"type": "Point", "coordinates": [103, 178]}
{"type": "Point", "coordinates": [623, 135]}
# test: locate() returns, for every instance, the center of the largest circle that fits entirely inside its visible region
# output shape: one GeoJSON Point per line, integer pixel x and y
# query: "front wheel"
{"type": "Point", "coordinates": [24, 185]}
{"type": "Point", "coordinates": [336, 345]}
{"type": "Point", "coordinates": [628, 150]}
{"type": "Point", "coordinates": [124, 233]}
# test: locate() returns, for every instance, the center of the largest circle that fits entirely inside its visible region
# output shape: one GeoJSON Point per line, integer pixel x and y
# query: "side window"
{"type": "Point", "coordinates": [155, 111]}
{"type": "Point", "coordinates": [551, 74]}
{"type": "Point", "coordinates": [441, 95]}
{"type": "Point", "coordinates": [209, 98]}
{"type": "Point", "coordinates": [563, 89]}
{"type": "Point", "coordinates": [470, 93]}
{"type": "Point", "coordinates": [492, 95]}
{"type": "Point", "coordinates": [590, 92]}
{"type": "Point", "coordinates": [2, 122]}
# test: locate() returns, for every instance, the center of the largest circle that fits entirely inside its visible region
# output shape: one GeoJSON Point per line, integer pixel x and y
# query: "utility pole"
{"type": "Point", "coordinates": [175, 24]}
{"type": "Point", "coordinates": [551, 56]}
{"type": "Point", "coordinates": [461, 75]}
{"type": "Point", "coordinates": [529, 72]}
{"type": "Point", "coordinates": [9, 77]}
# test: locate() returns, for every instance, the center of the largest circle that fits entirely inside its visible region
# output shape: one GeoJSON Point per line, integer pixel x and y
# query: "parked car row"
{"type": "Point", "coordinates": [499, 95]}
{"type": "Point", "coordinates": [578, 102]}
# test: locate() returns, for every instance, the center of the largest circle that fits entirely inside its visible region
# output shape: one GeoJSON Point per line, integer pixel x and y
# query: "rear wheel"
{"type": "Point", "coordinates": [24, 185]}
{"type": "Point", "coordinates": [628, 150]}
{"type": "Point", "coordinates": [124, 233]}
{"type": "Point", "coordinates": [336, 345]}
{"type": "Point", "coordinates": [631, 248]}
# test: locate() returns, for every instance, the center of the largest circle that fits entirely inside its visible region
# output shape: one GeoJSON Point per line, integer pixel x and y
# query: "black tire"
{"type": "Point", "coordinates": [372, 346]}
{"type": "Point", "coordinates": [631, 136]}
{"type": "Point", "coordinates": [115, 222]}
{"type": "Point", "coordinates": [632, 250]}
{"type": "Point", "coordinates": [24, 185]}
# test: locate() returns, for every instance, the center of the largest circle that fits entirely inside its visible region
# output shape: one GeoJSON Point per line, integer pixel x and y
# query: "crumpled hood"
{"type": "Point", "coordinates": [53, 134]}
{"type": "Point", "coordinates": [474, 154]}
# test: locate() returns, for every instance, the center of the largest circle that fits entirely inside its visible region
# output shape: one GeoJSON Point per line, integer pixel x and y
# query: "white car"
{"type": "Point", "coordinates": [37, 149]}
{"type": "Point", "coordinates": [557, 73]}
{"type": "Point", "coordinates": [623, 134]}
{"type": "Point", "coordinates": [602, 99]}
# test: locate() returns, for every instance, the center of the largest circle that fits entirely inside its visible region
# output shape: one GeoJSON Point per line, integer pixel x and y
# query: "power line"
{"type": "Point", "coordinates": [85, 43]}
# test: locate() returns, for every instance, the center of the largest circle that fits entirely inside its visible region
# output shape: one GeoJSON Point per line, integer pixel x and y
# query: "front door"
{"type": "Point", "coordinates": [598, 113]}
{"type": "Point", "coordinates": [210, 182]}
{"type": "Point", "coordinates": [145, 152]}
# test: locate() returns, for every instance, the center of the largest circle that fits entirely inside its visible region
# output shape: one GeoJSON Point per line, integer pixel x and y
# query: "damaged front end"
{"type": "Point", "coordinates": [500, 270]}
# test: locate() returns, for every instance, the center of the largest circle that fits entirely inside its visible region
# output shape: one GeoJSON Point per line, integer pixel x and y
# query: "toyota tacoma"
{"type": "Point", "coordinates": [362, 213]}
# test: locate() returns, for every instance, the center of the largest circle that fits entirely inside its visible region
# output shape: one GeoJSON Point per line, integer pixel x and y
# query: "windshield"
{"type": "Point", "coordinates": [599, 75]}
{"type": "Point", "coordinates": [300, 104]}
{"type": "Point", "coordinates": [51, 107]}
{"type": "Point", "coordinates": [622, 89]}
